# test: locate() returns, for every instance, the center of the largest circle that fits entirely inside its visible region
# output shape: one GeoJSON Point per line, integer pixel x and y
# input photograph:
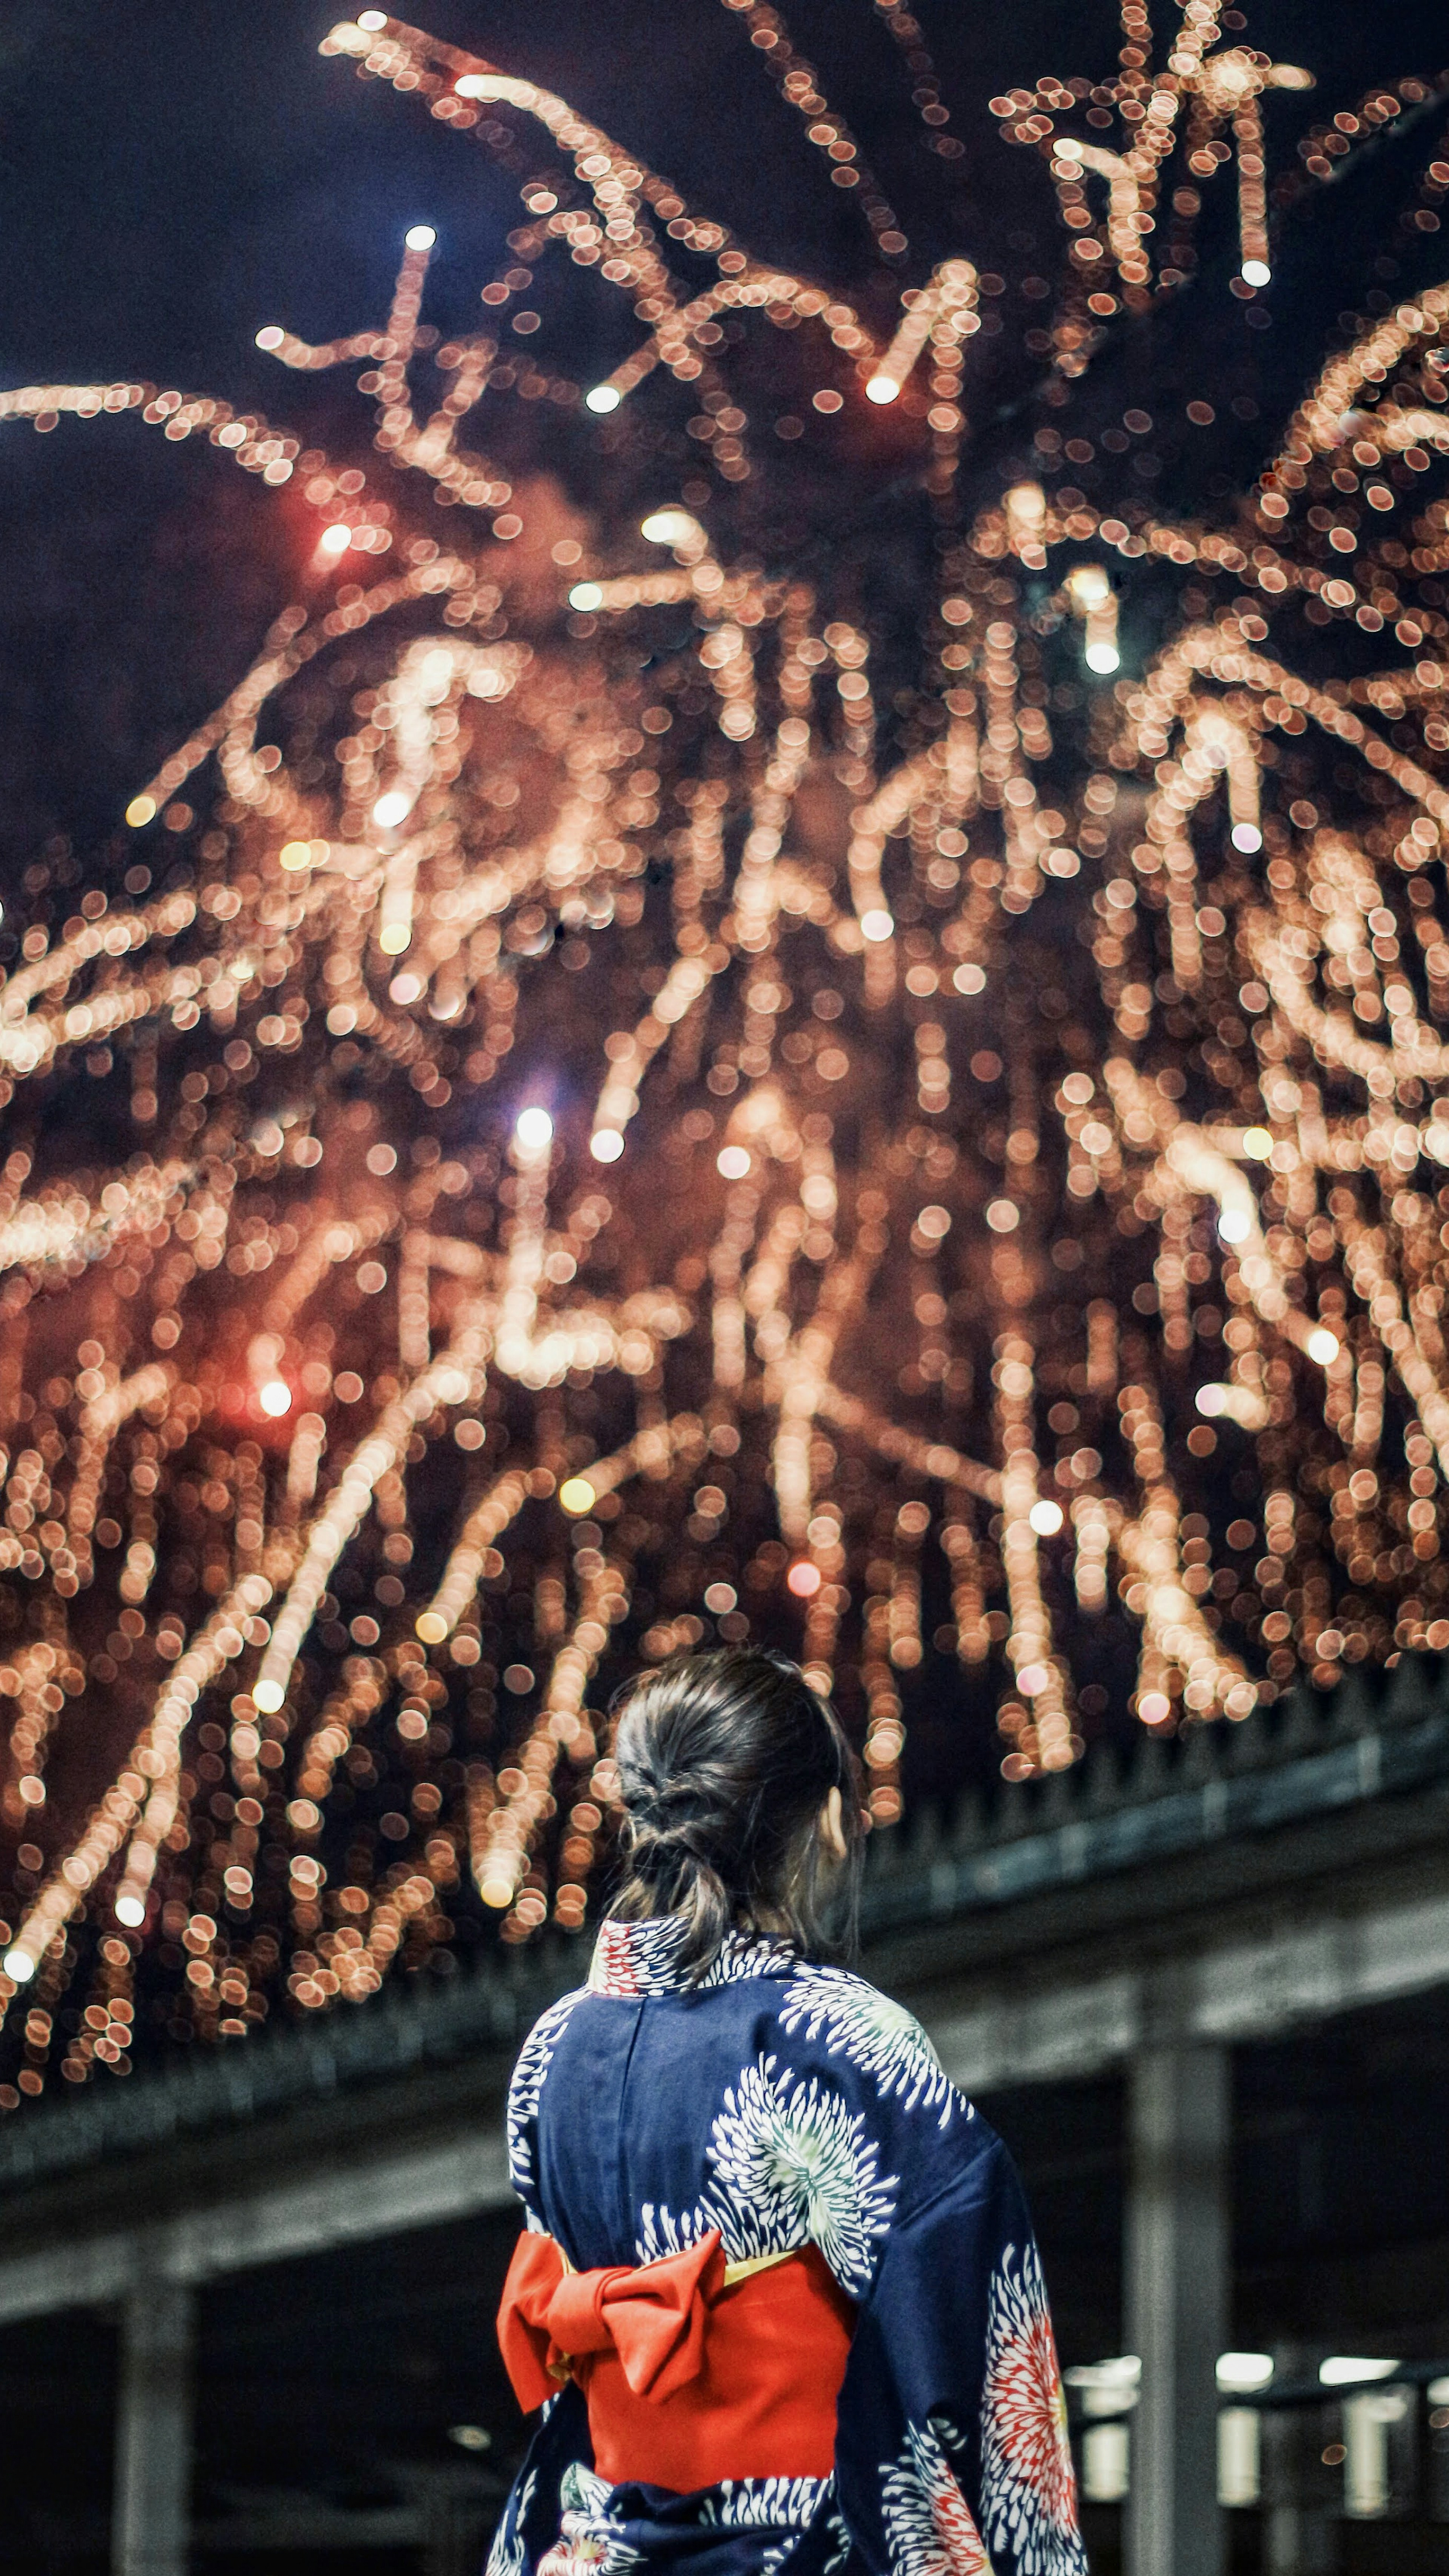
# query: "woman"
{"type": "Point", "coordinates": [778, 2295]}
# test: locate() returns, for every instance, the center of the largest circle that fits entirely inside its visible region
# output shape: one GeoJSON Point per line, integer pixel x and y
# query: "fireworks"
{"type": "Point", "coordinates": [628, 1121]}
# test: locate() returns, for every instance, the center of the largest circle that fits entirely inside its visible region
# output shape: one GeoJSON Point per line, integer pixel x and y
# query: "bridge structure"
{"type": "Point", "coordinates": [1238, 1886]}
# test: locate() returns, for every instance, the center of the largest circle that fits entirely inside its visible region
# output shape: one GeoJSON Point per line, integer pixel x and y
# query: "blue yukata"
{"type": "Point", "coordinates": [787, 2105]}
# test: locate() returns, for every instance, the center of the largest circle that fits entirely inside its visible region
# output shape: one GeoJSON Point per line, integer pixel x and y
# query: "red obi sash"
{"type": "Point", "coordinates": [693, 2370]}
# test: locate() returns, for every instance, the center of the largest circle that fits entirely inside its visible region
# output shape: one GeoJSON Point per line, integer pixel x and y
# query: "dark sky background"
{"type": "Point", "coordinates": [175, 173]}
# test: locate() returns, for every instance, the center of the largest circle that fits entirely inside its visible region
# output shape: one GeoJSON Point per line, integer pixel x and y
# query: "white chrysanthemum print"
{"type": "Point", "coordinates": [632, 1960]}
{"type": "Point", "coordinates": [508, 2553]}
{"type": "Point", "coordinates": [748, 2504]}
{"type": "Point", "coordinates": [793, 2167]}
{"type": "Point", "coordinates": [534, 2060]}
{"type": "Point", "coordinates": [1028, 2489]}
{"type": "Point", "coordinates": [929, 2526]}
{"type": "Point", "coordinates": [878, 2036]}
{"type": "Point", "coordinates": [741, 1955]}
{"type": "Point", "coordinates": [661, 2233]}
{"type": "Point", "coordinates": [592, 2543]}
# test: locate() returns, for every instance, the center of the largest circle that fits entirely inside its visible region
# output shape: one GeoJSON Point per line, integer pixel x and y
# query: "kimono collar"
{"type": "Point", "coordinates": [633, 1959]}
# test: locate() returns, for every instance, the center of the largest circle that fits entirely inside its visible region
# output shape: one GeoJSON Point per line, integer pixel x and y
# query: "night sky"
{"type": "Point", "coordinates": [176, 173]}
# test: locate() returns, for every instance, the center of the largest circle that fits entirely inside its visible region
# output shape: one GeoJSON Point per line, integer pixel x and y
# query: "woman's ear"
{"type": "Point", "coordinates": [832, 1830]}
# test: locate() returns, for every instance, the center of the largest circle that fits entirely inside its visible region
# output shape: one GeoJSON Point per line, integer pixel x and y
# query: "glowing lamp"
{"type": "Point", "coordinates": [606, 1144]}
{"type": "Point", "coordinates": [577, 1496]}
{"type": "Point", "coordinates": [1046, 1517]}
{"type": "Point", "coordinates": [586, 594]}
{"type": "Point", "coordinates": [392, 807]}
{"type": "Point", "coordinates": [533, 1128]}
{"type": "Point", "coordinates": [1247, 837]}
{"type": "Point", "coordinates": [420, 237]}
{"type": "Point", "coordinates": [1342, 2369]}
{"type": "Point", "coordinates": [130, 1910]}
{"type": "Point", "coordinates": [1235, 1225]}
{"type": "Point", "coordinates": [19, 1965]}
{"type": "Point", "coordinates": [1322, 1346]}
{"type": "Point", "coordinates": [670, 528]}
{"type": "Point", "coordinates": [142, 809]}
{"type": "Point", "coordinates": [271, 337]}
{"type": "Point", "coordinates": [268, 1696]}
{"type": "Point", "coordinates": [803, 1578]}
{"type": "Point", "coordinates": [334, 540]}
{"type": "Point", "coordinates": [732, 1163]}
{"type": "Point", "coordinates": [877, 924]}
{"type": "Point", "coordinates": [275, 1397]}
{"type": "Point", "coordinates": [603, 398]}
{"type": "Point", "coordinates": [881, 389]}
{"type": "Point", "coordinates": [1256, 272]}
{"type": "Point", "coordinates": [1257, 1144]}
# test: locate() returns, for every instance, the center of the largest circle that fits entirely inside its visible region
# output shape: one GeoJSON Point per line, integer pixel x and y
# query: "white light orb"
{"type": "Point", "coordinates": [275, 1397]}
{"type": "Point", "coordinates": [669, 528]}
{"type": "Point", "coordinates": [732, 1163]}
{"type": "Point", "coordinates": [533, 1128]}
{"type": "Point", "coordinates": [1212, 1401]}
{"type": "Point", "coordinates": [268, 1696]}
{"type": "Point", "coordinates": [881, 389]}
{"type": "Point", "coordinates": [876, 924]}
{"type": "Point", "coordinates": [603, 398]}
{"type": "Point", "coordinates": [606, 1144]}
{"type": "Point", "coordinates": [1322, 1346]}
{"type": "Point", "coordinates": [271, 337]}
{"type": "Point", "coordinates": [130, 1910]}
{"type": "Point", "coordinates": [1257, 1143]}
{"type": "Point", "coordinates": [372, 21]}
{"type": "Point", "coordinates": [586, 594]}
{"type": "Point", "coordinates": [392, 807]}
{"type": "Point", "coordinates": [1046, 1517]}
{"type": "Point", "coordinates": [19, 1966]}
{"type": "Point", "coordinates": [1235, 1225]}
{"type": "Point", "coordinates": [420, 237]}
{"type": "Point", "coordinates": [1247, 837]}
{"type": "Point", "coordinates": [334, 540]}
{"type": "Point", "coordinates": [1256, 272]}
{"type": "Point", "coordinates": [1103, 658]}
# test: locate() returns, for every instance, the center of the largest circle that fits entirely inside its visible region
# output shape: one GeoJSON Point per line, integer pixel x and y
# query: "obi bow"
{"type": "Point", "coordinates": [653, 2317]}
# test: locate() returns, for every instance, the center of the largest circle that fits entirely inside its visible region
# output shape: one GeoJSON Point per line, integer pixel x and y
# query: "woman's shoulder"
{"type": "Point", "coordinates": [856, 2029]}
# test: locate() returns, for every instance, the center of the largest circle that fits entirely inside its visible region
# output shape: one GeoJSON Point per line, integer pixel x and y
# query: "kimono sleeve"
{"type": "Point", "coordinates": [952, 2454]}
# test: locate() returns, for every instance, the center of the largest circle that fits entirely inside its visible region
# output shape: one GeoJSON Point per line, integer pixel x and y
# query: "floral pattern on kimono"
{"type": "Point", "coordinates": [787, 2104]}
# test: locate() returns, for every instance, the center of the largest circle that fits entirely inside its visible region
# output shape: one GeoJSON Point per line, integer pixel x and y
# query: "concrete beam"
{"type": "Point", "coordinates": [1278, 1975]}
{"type": "Point", "coordinates": [335, 2203]}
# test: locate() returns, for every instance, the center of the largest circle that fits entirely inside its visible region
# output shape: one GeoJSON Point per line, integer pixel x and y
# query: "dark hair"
{"type": "Point", "coordinates": [725, 1760]}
